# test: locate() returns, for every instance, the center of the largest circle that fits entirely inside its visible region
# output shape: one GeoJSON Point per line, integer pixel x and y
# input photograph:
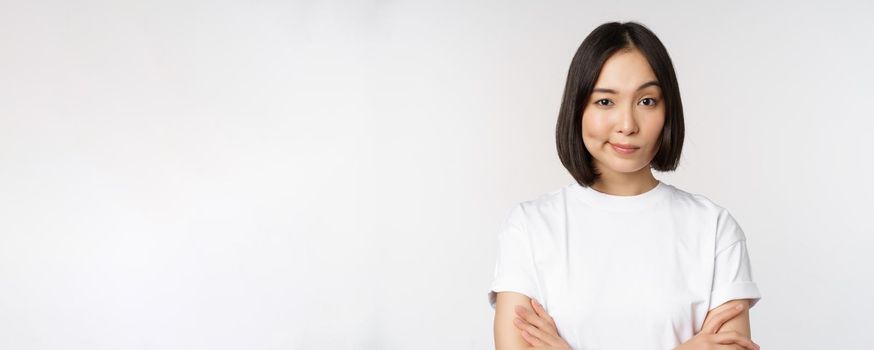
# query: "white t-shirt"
{"type": "Point", "coordinates": [624, 272]}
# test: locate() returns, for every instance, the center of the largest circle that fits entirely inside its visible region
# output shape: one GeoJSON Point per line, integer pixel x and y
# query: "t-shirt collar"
{"type": "Point", "coordinates": [610, 202]}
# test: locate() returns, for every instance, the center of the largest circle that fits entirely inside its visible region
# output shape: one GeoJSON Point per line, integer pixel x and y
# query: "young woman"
{"type": "Point", "coordinates": [618, 258]}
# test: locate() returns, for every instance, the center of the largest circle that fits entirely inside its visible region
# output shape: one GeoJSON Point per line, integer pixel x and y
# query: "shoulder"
{"type": "Point", "coordinates": [545, 204]}
{"type": "Point", "coordinates": [712, 215]}
{"type": "Point", "coordinates": [699, 203]}
{"type": "Point", "coordinates": [532, 214]}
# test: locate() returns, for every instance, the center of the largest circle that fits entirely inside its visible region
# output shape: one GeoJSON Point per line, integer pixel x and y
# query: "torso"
{"type": "Point", "coordinates": [619, 278]}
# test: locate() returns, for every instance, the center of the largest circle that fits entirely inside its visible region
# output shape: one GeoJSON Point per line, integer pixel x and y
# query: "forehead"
{"type": "Point", "coordinates": [625, 71]}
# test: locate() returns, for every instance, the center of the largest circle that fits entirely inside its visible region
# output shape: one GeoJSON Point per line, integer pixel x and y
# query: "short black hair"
{"type": "Point", "coordinates": [584, 70]}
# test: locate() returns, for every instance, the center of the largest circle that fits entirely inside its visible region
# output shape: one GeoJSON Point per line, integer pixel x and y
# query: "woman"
{"type": "Point", "coordinates": [618, 258]}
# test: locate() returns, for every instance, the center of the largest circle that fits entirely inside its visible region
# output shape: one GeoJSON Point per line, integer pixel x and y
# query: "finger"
{"type": "Point", "coordinates": [543, 314]}
{"type": "Point", "coordinates": [546, 338]}
{"type": "Point", "coordinates": [720, 318]}
{"type": "Point", "coordinates": [524, 327]}
{"type": "Point", "coordinates": [531, 318]}
{"type": "Point", "coordinates": [736, 338]}
{"type": "Point", "coordinates": [531, 339]}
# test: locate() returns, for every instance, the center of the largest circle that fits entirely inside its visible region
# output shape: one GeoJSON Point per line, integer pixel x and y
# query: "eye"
{"type": "Point", "coordinates": [654, 101]}
{"type": "Point", "coordinates": [603, 99]}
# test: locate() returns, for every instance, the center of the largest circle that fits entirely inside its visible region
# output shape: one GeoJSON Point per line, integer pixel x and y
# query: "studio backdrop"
{"type": "Point", "coordinates": [334, 174]}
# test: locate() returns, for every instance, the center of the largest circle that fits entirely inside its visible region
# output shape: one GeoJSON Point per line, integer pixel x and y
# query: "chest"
{"type": "Point", "coordinates": [605, 278]}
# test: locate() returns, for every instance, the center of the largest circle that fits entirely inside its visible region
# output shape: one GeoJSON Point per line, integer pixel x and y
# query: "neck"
{"type": "Point", "coordinates": [626, 184]}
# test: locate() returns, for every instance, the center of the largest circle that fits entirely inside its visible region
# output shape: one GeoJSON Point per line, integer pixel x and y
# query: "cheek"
{"type": "Point", "coordinates": [653, 132]}
{"type": "Point", "coordinates": [654, 129]}
{"type": "Point", "coordinates": [595, 127]}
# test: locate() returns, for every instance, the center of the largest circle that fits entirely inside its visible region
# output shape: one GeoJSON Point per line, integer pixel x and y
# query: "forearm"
{"type": "Point", "coordinates": [739, 323]}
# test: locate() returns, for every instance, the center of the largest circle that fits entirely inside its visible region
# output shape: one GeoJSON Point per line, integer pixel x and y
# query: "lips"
{"type": "Point", "coordinates": [623, 148]}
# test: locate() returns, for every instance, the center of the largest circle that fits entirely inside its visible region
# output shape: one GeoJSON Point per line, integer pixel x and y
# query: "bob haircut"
{"type": "Point", "coordinates": [585, 68]}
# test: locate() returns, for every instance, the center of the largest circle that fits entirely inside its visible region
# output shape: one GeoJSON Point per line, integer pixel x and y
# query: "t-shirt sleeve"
{"type": "Point", "coordinates": [732, 272]}
{"type": "Point", "coordinates": [514, 266]}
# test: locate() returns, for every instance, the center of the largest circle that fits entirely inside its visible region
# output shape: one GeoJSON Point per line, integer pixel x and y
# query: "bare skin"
{"type": "Point", "coordinates": [507, 336]}
{"type": "Point", "coordinates": [618, 112]}
{"type": "Point", "coordinates": [539, 329]}
{"type": "Point", "coordinates": [624, 108]}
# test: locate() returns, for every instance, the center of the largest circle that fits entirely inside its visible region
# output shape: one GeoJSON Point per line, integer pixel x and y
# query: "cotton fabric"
{"type": "Point", "coordinates": [624, 272]}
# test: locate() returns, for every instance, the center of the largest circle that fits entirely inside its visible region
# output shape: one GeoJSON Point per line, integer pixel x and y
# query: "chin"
{"type": "Point", "coordinates": [626, 167]}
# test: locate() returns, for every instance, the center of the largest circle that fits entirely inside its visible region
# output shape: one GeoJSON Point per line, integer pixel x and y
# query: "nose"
{"type": "Point", "coordinates": [626, 123]}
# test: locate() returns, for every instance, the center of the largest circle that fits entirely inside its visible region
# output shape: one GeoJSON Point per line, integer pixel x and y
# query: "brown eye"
{"type": "Point", "coordinates": [651, 99]}
{"type": "Point", "coordinates": [603, 99]}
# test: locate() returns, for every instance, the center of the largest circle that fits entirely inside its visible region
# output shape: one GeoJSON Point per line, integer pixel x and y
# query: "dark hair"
{"type": "Point", "coordinates": [582, 75]}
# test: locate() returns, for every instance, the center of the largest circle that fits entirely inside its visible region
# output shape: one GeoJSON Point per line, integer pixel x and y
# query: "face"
{"type": "Point", "coordinates": [624, 109]}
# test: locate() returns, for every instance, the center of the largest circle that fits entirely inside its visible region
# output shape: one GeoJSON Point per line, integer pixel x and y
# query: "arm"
{"type": "Point", "coordinates": [507, 335]}
{"type": "Point", "coordinates": [740, 323]}
{"type": "Point", "coordinates": [714, 334]}
{"type": "Point", "coordinates": [723, 325]}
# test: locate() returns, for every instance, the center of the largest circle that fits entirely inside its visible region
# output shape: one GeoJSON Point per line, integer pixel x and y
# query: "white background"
{"type": "Point", "coordinates": [332, 175]}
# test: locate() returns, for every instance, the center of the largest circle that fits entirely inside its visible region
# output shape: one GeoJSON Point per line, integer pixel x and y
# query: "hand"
{"type": "Point", "coordinates": [538, 328]}
{"type": "Point", "coordinates": [708, 339]}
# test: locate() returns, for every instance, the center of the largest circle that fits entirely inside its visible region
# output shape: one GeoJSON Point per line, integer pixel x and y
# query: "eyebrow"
{"type": "Point", "coordinates": [646, 84]}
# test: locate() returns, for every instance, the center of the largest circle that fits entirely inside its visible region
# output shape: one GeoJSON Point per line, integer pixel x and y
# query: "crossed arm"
{"type": "Point", "coordinates": [509, 337]}
{"type": "Point", "coordinates": [740, 323]}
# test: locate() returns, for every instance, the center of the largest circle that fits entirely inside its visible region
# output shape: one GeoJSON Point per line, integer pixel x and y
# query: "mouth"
{"type": "Point", "coordinates": [624, 149]}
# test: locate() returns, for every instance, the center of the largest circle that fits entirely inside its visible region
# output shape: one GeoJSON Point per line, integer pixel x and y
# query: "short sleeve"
{"type": "Point", "coordinates": [514, 265]}
{"type": "Point", "coordinates": [732, 272]}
